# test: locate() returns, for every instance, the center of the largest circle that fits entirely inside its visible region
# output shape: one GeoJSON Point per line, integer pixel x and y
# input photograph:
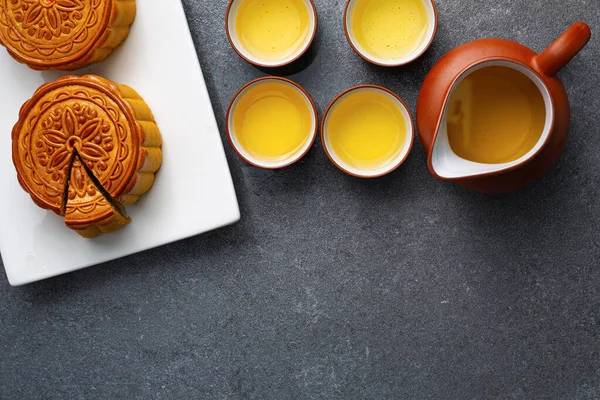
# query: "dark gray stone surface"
{"type": "Point", "coordinates": [333, 287]}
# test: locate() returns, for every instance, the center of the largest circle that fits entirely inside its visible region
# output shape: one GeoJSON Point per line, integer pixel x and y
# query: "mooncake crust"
{"type": "Point", "coordinates": [64, 34]}
{"type": "Point", "coordinates": [93, 121]}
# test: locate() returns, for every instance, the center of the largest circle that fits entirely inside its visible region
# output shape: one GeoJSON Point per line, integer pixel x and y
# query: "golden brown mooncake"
{"type": "Point", "coordinates": [63, 34]}
{"type": "Point", "coordinates": [85, 146]}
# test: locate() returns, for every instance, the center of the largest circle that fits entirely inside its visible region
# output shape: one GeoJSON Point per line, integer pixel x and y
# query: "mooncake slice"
{"type": "Point", "coordinates": [82, 139]}
{"type": "Point", "coordinates": [63, 34]}
{"type": "Point", "coordinates": [88, 208]}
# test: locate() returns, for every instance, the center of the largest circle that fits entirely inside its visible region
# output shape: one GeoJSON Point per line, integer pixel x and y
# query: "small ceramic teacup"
{"type": "Point", "coordinates": [272, 122]}
{"type": "Point", "coordinates": [367, 131]}
{"type": "Point", "coordinates": [390, 33]}
{"type": "Point", "coordinates": [271, 33]}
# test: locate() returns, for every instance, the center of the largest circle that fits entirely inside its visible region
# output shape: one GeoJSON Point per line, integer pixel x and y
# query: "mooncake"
{"type": "Point", "coordinates": [83, 148]}
{"type": "Point", "coordinates": [63, 34]}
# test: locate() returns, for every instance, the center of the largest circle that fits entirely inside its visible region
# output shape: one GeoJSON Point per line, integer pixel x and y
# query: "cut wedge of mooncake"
{"type": "Point", "coordinates": [63, 34]}
{"type": "Point", "coordinates": [84, 147]}
{"type": "Point", "coordinates": [88, 208]}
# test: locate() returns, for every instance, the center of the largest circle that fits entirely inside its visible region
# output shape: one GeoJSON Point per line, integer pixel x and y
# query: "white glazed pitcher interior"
{"type": "Point", "coordinates": [447, 165]}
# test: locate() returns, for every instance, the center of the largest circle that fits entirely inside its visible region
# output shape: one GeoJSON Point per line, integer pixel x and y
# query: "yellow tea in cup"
{"type": "Point", "coordinates": [390, 32]}
{"type": "Point", "coordinates": [272, 122]}
{"type": "Point", "coordinates": [495, 115]}
{"type": "Point", "coordinates": [271, 32]}
{"type": "Point", "coordinates": [367, 131]}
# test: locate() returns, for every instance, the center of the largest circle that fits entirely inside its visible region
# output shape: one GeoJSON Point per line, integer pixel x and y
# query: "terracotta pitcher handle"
{"type": "Point", "coordinates": [559, 53]}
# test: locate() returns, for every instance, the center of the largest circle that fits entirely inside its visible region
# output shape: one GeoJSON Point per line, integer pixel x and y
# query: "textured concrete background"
{"type": "Point", "coordinates": [332, 287]}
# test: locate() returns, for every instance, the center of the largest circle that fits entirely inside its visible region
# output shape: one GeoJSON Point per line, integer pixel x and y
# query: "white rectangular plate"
{"type": "Point", "coordinates": [193, 192]}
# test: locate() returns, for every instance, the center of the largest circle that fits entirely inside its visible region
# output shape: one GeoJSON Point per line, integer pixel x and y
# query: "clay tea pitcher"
{"type": "Point", "coordinates": [493, 116]}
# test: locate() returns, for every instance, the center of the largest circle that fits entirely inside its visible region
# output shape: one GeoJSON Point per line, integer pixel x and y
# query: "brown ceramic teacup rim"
{"type": "Point", "coordinates": [539, 76]}
{"type": "Point", "coordinates": [313, 135]}
{"type": "Point", "coordinates": [341, 167]}
{"type": "Point", "coordinates": [372, 61]}
{"type": "Point", "coordinates": [283, 64]}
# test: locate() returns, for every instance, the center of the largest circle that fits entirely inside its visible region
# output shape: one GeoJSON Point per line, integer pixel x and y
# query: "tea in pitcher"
{"type": "Point", "coordinates": [496, 115]}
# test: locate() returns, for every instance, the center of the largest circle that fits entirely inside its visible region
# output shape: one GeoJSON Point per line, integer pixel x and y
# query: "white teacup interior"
{"type": "Point", "coordinates": [231, 28]}
{"type": "Point", "coordinates": [448, 165]}
{"type": "Point", "coordinates": [417, 51]}
{"type": "Point", "coordinates": [265, 163]}
{"type": "Point", "coordinates": [391, 163]}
